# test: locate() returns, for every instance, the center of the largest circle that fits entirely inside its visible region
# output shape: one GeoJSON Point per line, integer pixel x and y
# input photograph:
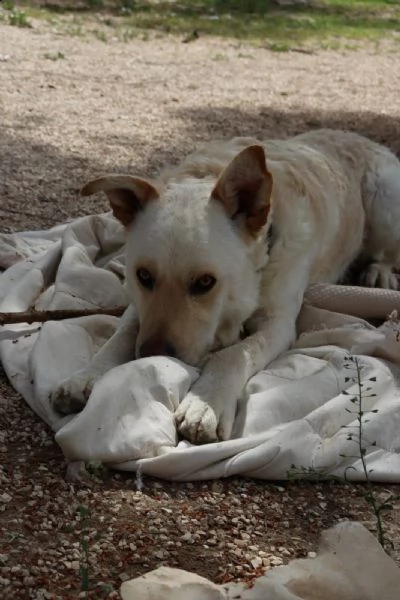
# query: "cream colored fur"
{"type": "Point", "coordinates": [329, 197]}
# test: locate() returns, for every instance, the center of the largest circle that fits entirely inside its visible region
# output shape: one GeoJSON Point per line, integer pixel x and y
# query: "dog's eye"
{"type": "Point", "coordinates": [202, 285]}
{"type": "Point", "coordinates": [145, 278]}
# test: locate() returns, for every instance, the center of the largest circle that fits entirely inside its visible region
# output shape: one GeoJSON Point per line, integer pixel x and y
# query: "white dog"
{"type": "Point", "coordinates": [226, 243]}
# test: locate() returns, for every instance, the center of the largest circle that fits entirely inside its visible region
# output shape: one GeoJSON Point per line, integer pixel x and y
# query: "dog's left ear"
{"type": "Point", "coordinates": [245, 187]}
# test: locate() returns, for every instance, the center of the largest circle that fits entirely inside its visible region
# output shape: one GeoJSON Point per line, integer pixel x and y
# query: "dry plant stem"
{"type": "Point", "coordinates": [370, 495]}
{"type": "Point", "coordinates": [40, 316]}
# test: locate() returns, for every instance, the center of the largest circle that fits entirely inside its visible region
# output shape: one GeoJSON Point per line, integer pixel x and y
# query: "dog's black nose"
{"type": "Point", "coordinates": [157, 347]}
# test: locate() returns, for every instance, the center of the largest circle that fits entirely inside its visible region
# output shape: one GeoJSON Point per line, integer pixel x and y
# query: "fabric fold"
{"type": "Point", "coordinates": [297, 418]}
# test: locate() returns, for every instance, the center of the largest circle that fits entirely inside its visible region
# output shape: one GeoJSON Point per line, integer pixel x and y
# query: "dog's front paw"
{"type": "Point", "coordinates": [73, 393]}
{"type": "Point", "coordinates": [201, 421]}
{"type": "Point", "coordinates": [196, 420]}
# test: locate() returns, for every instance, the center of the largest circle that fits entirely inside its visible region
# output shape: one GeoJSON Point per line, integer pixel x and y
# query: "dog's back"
{"type": "Point", "coordinates": [333, 190]}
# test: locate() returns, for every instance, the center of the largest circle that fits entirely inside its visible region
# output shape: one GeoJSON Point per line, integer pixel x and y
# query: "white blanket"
{"type": "Point", "coordinates": [293, 419]}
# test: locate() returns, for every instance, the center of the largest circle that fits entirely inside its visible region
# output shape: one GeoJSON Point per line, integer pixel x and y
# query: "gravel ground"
{"type": "Point", "coordinates": [132, 107]}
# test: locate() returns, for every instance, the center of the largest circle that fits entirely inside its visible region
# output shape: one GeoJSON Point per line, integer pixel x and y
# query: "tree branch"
{"type": "Point", "coordinates": [40, 316]}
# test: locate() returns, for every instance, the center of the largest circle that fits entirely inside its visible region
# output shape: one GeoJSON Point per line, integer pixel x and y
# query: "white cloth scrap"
{"type": "Point", "coordinates": [293, 419]}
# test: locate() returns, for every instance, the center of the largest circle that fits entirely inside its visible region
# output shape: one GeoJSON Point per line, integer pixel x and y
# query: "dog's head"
{"type": "Point", "coordinates": [194, 252]}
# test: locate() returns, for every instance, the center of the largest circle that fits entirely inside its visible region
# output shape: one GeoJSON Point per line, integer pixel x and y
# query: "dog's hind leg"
{"type": "Point", "coordinates": [382, 242]}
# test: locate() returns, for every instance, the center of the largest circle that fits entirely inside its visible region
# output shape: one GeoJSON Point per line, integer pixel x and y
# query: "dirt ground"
{"type": "Point", "coordinates": [73, 107]}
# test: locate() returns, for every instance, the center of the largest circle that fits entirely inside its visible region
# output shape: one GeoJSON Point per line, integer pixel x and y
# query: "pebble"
{"type": "Point", "coordinates": [275, 561]}
{"type": "Point", "coordinates": [266, 562]}
{"type": "Point", "coordinates": [256, 562]}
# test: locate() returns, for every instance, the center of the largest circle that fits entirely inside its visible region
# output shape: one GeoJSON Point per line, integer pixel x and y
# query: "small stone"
{"type": "Point", "coordinates": [312, 555]}
{"type": "Point", "coordinates": [266, 562]}
{"type": "Point", "coordinates": [256, 562]}
{"type": "Point", "coordinates": [160, 554]}
{"type": "Point", "coordinates": [5, 498]}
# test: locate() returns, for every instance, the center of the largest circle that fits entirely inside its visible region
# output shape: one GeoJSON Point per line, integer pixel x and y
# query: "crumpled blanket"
{"type": "Point", "coordinates": [300, 417]}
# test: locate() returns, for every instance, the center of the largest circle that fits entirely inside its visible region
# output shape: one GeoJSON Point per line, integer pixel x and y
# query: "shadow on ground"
{"type": "Point", "coordinates": [264, 122]}
{"type": "Point", "coordinates": [39, 183]}
{"type": "Point", "coordinates": [38, 188]}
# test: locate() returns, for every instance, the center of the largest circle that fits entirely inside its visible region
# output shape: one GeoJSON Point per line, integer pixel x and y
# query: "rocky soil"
{"type": "Point", "coordinates": [72, 107]}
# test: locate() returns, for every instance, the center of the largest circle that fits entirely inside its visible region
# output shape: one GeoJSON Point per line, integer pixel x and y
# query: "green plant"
{"type": "Point", "coordinates": [278, 47]}
{"type": "Point", "coordinates": [306, 473]}
{"type": "Point", "coordinates": [327, 24]}
{"type": "Point", "coordinates": [18, 18]}
{"type": "Point", "coordinates": [54, 56]}
{"type": "Point", "coordinates": [84, 513]}
{"type": "Point", "coordinates": [87, 534]}
{"type": "Point", "coordinates": [100, 35]}
{"type": "Point", "coordinates": [96, 468]}
{"type": "Point", "coordinates": [126, 6]}
{"type": "Point", "coordinates": [126, 35]}
{"type": "Point", "coordinates": [8, 5]}
{"type": "Point", "coordinates": [357, 435]}
{"type": "Point", "coordinates": [219, 56]}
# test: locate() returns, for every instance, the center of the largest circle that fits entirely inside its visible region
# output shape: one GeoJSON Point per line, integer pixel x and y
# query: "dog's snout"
{"type": "Point", "coordinates": [157, 347]}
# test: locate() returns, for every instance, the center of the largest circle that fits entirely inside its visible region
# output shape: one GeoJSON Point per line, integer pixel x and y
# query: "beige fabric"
{"type": "Point", "coordinates": [365, 303]}
{"type": "Point", "coordinates": [293, 419]}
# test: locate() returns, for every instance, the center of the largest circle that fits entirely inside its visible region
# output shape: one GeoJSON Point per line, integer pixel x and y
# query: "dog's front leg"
{"type": "Point", "coordinates": [208, 411]}
{"type": "Point", "coordinates": [72, 393]}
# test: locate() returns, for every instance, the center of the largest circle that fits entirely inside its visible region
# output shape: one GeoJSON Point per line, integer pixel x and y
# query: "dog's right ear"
{"type": "Point", "coordinates": [127, 195]}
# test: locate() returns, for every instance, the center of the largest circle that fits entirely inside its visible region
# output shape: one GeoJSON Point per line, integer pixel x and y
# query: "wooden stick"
{"type": "Point", "coordinates": [40, 316]}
